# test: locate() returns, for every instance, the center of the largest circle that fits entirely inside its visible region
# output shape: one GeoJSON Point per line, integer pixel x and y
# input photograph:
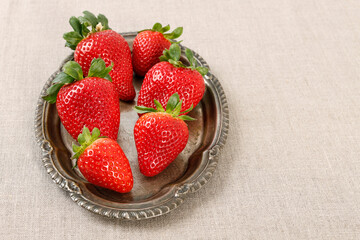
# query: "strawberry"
{"type": "Point", "coordinates": [102, 42]}
{"type": "Point", "coordinates": [102, 161]}
{"type": "Point", "coordinates": [149, 45]}
{"type": "Point", "coordinates": [160, 135]}
{"type": "Point", "coordinates": [171, 76]}
{"type": "Point", "coordinates": [91, 101]}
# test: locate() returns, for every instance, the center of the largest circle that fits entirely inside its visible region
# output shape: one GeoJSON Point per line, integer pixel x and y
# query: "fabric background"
{"type": "Point", "coordinates": [291, 166]}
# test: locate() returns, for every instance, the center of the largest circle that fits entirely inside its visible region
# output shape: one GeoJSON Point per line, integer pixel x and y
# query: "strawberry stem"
{"type": "Point", "coordinates": [172, 55]}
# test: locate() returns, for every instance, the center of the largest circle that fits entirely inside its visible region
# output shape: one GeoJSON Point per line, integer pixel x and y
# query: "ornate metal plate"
{"type": "Point", "coordinates": [150, 197]}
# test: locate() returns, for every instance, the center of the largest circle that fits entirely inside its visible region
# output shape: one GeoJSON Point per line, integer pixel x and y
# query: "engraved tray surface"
{"type": "Point", "coordinates": [150, 197]}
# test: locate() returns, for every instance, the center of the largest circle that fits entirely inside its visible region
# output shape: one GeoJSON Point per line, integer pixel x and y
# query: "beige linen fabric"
{"type": "Point", "coordinates": [291, 165]}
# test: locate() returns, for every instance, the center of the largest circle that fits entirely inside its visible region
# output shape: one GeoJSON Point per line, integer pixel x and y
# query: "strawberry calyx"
{"type": "Point", "coordinates": [72, 72]}
{"type": "Point", "coordinates": [85, 139]}
{"type": "Point", "coordinates": [81, 28]}
{"type": "Point", "coordinates": [173, 108]}
{"type": "Point", "coordinates": [172, 55]}
{"type": "Point", "coordinates": [169, 36]}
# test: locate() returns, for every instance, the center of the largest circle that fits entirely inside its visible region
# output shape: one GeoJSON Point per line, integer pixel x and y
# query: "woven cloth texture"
{"type": "Point", "coordinates": [291, 74]}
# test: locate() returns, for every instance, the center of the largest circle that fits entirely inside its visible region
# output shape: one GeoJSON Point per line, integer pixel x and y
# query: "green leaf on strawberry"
{"type": "Point", "coordinates": [73, 69]}
{"type": "Point", "coordinates": [91, 18]}
{"type": "Point", "coordinates": [99, 69]}
{"type": "Point", "coordinates": [80, 26]}
{"type": "Point", "coordinates": [175, 52]}
{"type": "Point", "coordinates": [174, 34]}
{"type": "Point", "coordinates": [159, 28]}
{"type": "Point", "coordinates": [172, 55]}
{"type": "Point", "coordinates": [172, 102]}
{"type": "Point", "coordinates": [173, 107]}
{"type": "Point", "coordinates": [75, 24]}
{"type": "Point", "coordinates": [72, 39]}
{"type": "Point", "coordinates": [104, 21]}
{"type": "Point", "coordinates": [63, 78]}
{"type": "Point", "coordinates": [165, 29]}
{"type": "Point", "coordinates": [85, 139]}
{"type": "Point", "coordinates": [142, 109]}
{"type": "Point", "coordinates": [72, 72]}
{"type": "Point", "coordinates": [158, 105]}
{"type": "Point", "coordinates": [202, 70]}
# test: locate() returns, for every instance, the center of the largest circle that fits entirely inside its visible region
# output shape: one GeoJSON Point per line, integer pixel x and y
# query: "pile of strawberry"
{"type": "Point", "coordinates": [88, 90]}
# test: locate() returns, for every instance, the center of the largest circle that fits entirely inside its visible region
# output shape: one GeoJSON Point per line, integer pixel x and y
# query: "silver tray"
{"type": "Point", "coordinates": [150, 197]}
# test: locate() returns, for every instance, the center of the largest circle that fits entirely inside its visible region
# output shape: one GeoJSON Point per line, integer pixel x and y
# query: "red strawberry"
{"type": "Point", "coordinates": [91, 102]}
{"type": "Point", "coordinates": [160, 135]}
{"type": "Point", "coordinates": [149, 45]}
{"type": "Point", "coordinates": [103, 162]}
{"type": "Point", "coordinates": [102, 42]}
{"type": "Point", "coordinates": [171, 76]}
